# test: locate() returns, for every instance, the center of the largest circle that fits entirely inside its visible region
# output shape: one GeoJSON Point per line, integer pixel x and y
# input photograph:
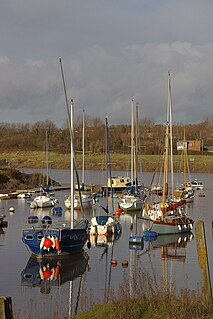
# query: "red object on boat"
{"type": "Point", "coordinates": [47, 273]}
{"type": "Point", "coordinates": [48, 243]}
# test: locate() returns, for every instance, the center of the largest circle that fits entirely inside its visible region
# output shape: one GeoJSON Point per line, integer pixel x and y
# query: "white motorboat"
{"type": "Point", "coordinates": [197, 184]}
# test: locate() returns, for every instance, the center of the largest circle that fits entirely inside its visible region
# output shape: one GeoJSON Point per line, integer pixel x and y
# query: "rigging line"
{"type": "Point", "coordinates": [71, 131]}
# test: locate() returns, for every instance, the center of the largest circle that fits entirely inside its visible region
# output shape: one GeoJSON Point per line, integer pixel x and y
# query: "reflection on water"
{"type": "Point", "coordinates": [174, 246]}
{"type": "Point", "coordinates": [173, 257]}
{"type": "Point", "coordinates": [53, 272]}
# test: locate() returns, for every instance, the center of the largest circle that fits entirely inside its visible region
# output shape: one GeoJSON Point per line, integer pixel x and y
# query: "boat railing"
{"type": "Point", "coordinates": [47, 222]}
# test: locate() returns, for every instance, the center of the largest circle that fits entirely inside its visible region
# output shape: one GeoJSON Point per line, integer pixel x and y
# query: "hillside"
{"type": "Point", "coordinates": [12, 180]}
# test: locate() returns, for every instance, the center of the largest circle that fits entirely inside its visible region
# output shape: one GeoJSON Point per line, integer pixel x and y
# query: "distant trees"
{"type": "Point", "coordinates": [30, 137]}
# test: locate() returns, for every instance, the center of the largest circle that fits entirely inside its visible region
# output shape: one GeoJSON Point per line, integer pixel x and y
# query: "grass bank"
{"type": "Point", "coordinates": [36, 159]}
{"type": "Point", "coordinates": [160, 306]}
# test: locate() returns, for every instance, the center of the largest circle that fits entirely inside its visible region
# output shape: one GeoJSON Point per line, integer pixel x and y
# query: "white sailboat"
{"type": "Point", "coordinates": [85, 199]}
{"type": "Point", "coordinates": [45, 198]}
{"type": "Point", "coordinates": [133, 198]}
{"type": "Point", "coordinates": [105, 224]}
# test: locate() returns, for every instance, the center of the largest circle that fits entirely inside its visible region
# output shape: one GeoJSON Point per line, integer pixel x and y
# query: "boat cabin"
{"type": "Point", "coordinates": [119, 183]}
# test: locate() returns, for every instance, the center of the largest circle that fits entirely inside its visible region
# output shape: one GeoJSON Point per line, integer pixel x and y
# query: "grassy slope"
{"type": "Point", "coordinates": [197, 163]}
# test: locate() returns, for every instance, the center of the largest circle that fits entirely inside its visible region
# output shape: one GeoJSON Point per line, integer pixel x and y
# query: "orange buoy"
{"type": "Point", "coordinates": [114, 262]}
{"type": "Point", "coordinates": [125, 263]}
{"type": "Point", "coordinates": [118, 211]}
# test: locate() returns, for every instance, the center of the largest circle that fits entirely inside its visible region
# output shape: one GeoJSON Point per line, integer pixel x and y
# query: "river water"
{"type": "Point", "coordinates": [83, 282]}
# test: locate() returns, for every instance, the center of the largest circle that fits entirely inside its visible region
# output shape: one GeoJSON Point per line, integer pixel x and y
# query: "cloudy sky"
{"type": "Point", "coordinates": [112, 50]}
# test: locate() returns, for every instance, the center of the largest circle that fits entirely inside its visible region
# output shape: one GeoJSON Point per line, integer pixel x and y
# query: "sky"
{"type": "Point", "coordinates": [111, 51]}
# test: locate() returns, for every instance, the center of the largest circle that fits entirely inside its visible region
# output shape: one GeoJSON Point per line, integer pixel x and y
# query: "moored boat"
{"type": "Point", "coordinates": [197, 184]}
{"type": "Point", "coordinates": [169, 216]}
{"type": "Point", "coordinates": [58, 238]}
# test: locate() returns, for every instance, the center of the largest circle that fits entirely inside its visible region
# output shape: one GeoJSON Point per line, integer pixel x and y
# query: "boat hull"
{"type": "Point", "coordinates": [70, 240]}
{"type": "Point", "coordinates": [131, 205]}
{"type": "Point", "coordinates": [86, 203]}
{"type": "Point", "coordinates": [42, 202]}
{"type": "Point", "coordinates": [163, 228]}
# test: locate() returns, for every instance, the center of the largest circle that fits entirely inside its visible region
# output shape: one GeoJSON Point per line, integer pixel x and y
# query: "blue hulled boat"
{"type": "Point", "coordinates": [58, 239]}
{"type": "Point", "coordinates": [48, 239]}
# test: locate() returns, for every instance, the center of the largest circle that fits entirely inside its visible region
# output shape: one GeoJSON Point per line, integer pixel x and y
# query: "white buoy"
{"type": "Point", "coordinates": [12, 209]}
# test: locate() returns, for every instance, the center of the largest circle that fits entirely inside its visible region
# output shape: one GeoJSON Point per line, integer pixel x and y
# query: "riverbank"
{"type": "Point", "coordinates": [161, 305]}
{"type": "Point", "coordinates": [201, 163]}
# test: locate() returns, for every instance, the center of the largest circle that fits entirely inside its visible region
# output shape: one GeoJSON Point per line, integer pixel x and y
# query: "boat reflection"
{"type": "Point", "coordinates": [172, 246]}
{"type": "Point", "coordinates": [104, 240]}
{"type": "Point", "coordinates": [53, 272]}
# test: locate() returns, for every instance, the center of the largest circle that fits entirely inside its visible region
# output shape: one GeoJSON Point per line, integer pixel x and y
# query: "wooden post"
{"type": "Point", "coordinates": [6, 311]}
{"type": "Point", "coordinates": [203, 260]}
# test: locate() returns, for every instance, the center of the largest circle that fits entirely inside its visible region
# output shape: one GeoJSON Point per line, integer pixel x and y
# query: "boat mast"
{"type": "Point", "coordinates": [108, 165]}
{"type": "Point", "coordinates": [83, 136]}
{"type": "Point", "coordinates": [47, 157]}
{"type": "Point", "coordinates": [184, 158]}
{"type": "Point", "coordinates": [71, 131]}
{"type": "Point", "coordinates": [136, 148]}
{"type": "Point", "coordinates": [170, 131]}
{"type": "Point", "coordinates": [132, 142]}
{"type": "Point", "coordinates": [165, 187]}
{"type": "Point", "coordinates": [71, 167]}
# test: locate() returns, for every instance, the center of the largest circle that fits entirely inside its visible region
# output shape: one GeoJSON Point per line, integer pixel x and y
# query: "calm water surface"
{"type": "Point", "coordinates": [79, 283]}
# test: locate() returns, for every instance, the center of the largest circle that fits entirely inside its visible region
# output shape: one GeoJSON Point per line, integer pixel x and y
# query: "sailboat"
{"type": "Point", "coordinates": [168, 216]}
{"type": "Point", "coordinates": [46, 198]}
{"type": "Point", "coordinates": [105, 224]}
{"type": "Point", "coordinates": [133, 197]}
{"type": "Point", "coordinates": [48, 239]}
{"type": "Point", "coordinates": [85, 198]}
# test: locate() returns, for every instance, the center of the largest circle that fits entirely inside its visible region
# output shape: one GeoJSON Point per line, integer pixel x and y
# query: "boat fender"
{"type": "Point", "coordinates": [42, 242]}
{"type": "Point", "coordinates": [53, 241]}
{"type": "Point", "coordinates": [52, 274]}
{"type": "Point", "coordinates": [57, 243]}
{"type": "Point", "coordinates": [56, 272]}
{"type": "Point", "coordinates": [41, 274]}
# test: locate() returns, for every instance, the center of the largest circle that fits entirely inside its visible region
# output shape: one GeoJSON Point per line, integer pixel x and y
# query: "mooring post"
{"type": "Point", "coordinates": [6, 311]}
{"type": "Point", "coordinates": [203, 260]}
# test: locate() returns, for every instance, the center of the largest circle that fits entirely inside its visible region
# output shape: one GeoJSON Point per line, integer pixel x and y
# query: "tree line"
{"type": "Point", "coordinates": [31, 137]}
